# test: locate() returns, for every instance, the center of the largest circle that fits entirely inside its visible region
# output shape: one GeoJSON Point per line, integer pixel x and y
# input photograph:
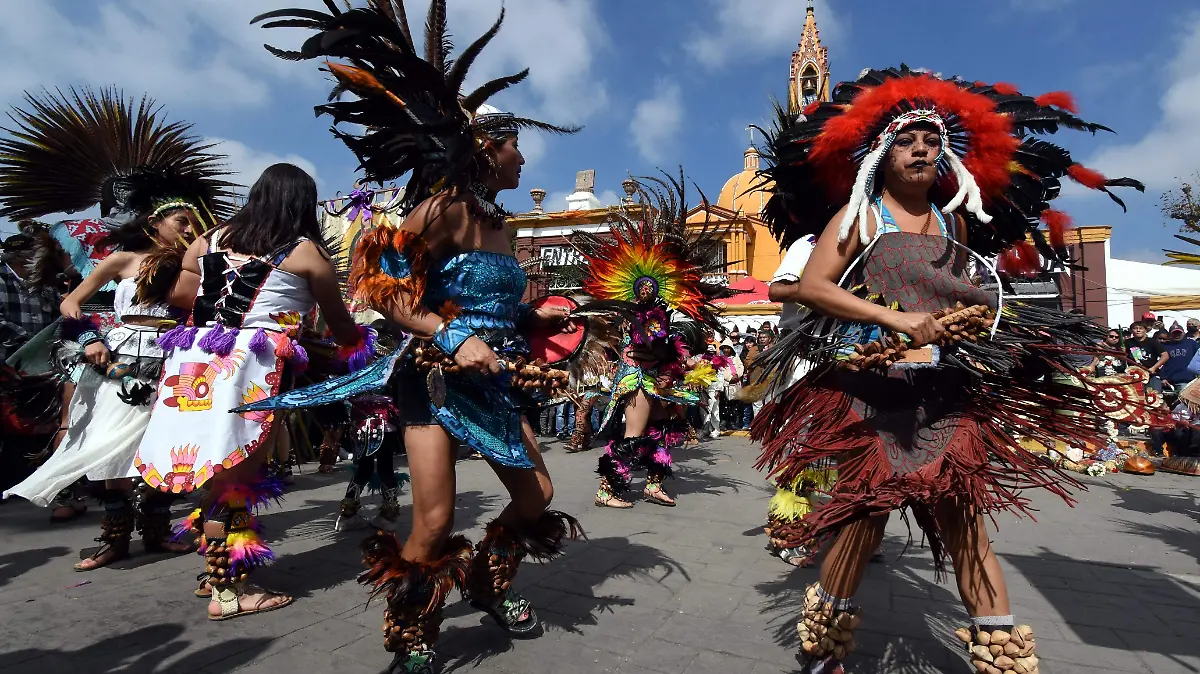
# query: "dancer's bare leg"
{"type": "Point", "coordinates": [976, 569]}
{"type": "Point", "coordinates": [845, 562]}
{"type": "Point", "coordinates": [531, 490]}
{"type": "Point", "coordinates": [431, 470]}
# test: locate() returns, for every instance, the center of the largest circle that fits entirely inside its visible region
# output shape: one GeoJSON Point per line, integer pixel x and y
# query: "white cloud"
{"type": "Point", "coordinates": [198, 54]}
{"type": "Point", "coordinates": [1170, 148]}
{"type": "Point", "coordinates": [558, 40]}
{"type": "Point", "coordinates": [656, 121]}
{"type": "Point", "coordinates": [247, 164]}
{"type": "Point", "coordinates": [753, 29]}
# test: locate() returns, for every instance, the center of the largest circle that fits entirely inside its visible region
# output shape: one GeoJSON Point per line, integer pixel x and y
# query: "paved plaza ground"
{"type": "Point", "coordinates": [1112, 585]}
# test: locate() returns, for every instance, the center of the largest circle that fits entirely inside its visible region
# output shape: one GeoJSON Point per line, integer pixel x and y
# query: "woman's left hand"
{"type": "Point", "coordinates": [552, 316]}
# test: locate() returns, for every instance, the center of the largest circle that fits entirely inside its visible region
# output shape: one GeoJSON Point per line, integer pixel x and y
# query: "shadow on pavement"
{"type": "Point", "coordinates": [14, 564]}
{"type": "Point", "coordinates": [913, 637]}
{"type": "Point", "coordinates": [1111, 606]}
{"type": "Point", "coordinates": [564, 594]}
{"type": "Point", "coordinates": [1138, 500]}
{"type": "Point", "coordinates": [312, 571]}
{"type": "Point", "coordinates": [702, 480]}
{"type": "Point", "coordinates": [144, 650]}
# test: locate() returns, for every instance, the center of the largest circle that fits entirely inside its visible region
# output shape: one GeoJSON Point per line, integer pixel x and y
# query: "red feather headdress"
{"type": "Point", "coordinates": [993, 170]}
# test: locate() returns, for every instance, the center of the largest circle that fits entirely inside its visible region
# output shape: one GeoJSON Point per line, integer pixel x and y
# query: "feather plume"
{"type": "Point", "coordinates": [812, 160]}
{"type": "Point", "coordinates": [416, 120]}
{"type": "Point", "coordinates": [66, 150]}
{"type": "Point", "coordinates": [405, 582]}
{"type": "Point", "coordinates": [1058, 99]}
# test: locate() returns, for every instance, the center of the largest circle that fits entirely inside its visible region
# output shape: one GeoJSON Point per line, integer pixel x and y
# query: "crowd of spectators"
{"type": "Point", "coordinates": [1169, 354]}
{"type": "Point", "coordinates": [726, 406]}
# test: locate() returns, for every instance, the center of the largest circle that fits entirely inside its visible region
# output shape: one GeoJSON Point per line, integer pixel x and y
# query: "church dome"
{"type": "Point", "coordinates": [745, 191]}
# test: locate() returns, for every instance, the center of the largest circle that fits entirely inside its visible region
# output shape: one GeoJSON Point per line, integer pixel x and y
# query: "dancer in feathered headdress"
{"type": "Point", "coordinates": [158, 187]}
{"type": "Point", "coordinates": [446, 275]}
{"type": "Point", "coordinates": [649, 267]}
{"type": "Point", "coordinates": [922, 379]}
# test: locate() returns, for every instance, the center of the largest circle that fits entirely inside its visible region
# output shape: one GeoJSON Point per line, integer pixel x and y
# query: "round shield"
{"type": "Point", "coordinates": [552, 345]}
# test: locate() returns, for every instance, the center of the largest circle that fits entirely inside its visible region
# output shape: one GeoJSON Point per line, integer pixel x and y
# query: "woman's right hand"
{"type": "Point", "coordinates": [69, 308]}
{"type": "Point", "coordinates": [921, 328]}
{"type": "Point", "coordinates": [96, 353]}
{"type": "Point", "coordinates": [477, 357]}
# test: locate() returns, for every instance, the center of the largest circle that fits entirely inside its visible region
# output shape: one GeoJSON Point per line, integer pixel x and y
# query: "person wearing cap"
{"type": "Point", "coordinates": [1147, 353]}
{"type": "Point", "coordinates": [1179, 349]}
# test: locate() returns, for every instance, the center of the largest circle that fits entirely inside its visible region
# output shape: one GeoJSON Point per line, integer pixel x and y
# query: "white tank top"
{"type": "Point", "coordinates": [123, 303]}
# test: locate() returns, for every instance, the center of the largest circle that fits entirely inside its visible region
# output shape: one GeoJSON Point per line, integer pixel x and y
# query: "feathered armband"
{"type": "Point", "coordinates": [390, 263]}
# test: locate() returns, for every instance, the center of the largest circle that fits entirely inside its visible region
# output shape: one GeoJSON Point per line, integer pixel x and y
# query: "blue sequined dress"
{"type": "Point", "coordinates": [483, 412]}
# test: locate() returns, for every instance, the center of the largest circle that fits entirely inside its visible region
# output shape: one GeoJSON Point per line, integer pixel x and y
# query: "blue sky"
{"type": "Point", "coordinates": [655, 84]}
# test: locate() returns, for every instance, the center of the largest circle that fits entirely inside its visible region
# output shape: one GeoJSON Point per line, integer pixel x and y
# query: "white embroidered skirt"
{"type": "Point", "coordinates": [192, 434]}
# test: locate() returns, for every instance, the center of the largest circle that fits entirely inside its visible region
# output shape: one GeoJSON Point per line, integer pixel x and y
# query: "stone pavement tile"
{"type": "Point", "coordinates": [624, 635]}
{"type": "Point", "coordinates": [322, 637]}
{"type": "Point", "coordinates": [710, 600]}
{"type": "Point", "coordinates": [598, 561]}
{"type": "Point", "coordinates": [636, 585]}
{"type": "Point", "coordinates": [1170, 663]}
{"type": "Point", "coordinates": [1167, 655]}
{"type": "Point", "coordinates": [296, 659]}
{"type": "Point", "coordinates": [719, 663]}
{"type": "Point", "coordinates": [573, 582]}
{"type": "Point", "coordinates": [754, 612]}
{"type": "Point", "coordinates": [718, 572]}
{"type": "Point", "coordinates": [663, 656]}
{"type": "Point", "coordinates": [724, 637]}
{"type": "Point", "coordinates": [628, 668]}
{"type": "Point", "coordinates": [1066, 652]}
{"type": "Point", "coordinates": [1184, 621]}
{"type": "Point", "coordinates": [1174, 594]}
{"type": "Point", "coordinates": [549, 656]}
{"type": "Point", "coordinates": [1128, 617]}
{"type": "Point", "coordinates": [922, 649]}
{"type": "Point", "coordinates": [1102, 637]}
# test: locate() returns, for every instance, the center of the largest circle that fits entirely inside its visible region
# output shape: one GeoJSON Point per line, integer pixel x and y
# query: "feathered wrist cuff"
{"type": "Point", "coordinates": [360, 354]}
{"type": "Point", "coordinates": [85, 330]}
{"type": "Point", "coordinates": [449, 336]}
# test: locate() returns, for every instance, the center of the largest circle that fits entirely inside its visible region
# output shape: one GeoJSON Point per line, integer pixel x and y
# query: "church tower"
{"type": "Point", "coordinates": [809, 79]}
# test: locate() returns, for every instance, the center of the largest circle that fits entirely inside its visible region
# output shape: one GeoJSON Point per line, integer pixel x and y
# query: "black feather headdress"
{"type": "Point", "coordinates": [415, 117]}
{"type": "Point", "coordinates": [71, 151]}
{"type": "Point", "coordinates": [994, 171]}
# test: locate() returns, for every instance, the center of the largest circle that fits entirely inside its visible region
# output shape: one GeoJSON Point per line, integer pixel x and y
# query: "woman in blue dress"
{"type": "Point", "coordinates": [447, 276]}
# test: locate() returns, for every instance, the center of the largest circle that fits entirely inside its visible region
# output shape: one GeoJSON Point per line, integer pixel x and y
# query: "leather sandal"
{"type": "Point", "coordinates": [654, 494]}
{"type": "Point", "coordinates": [204, 589]}
{"type": "Point", "coordinates": [229, 596]}
{"type": "Point", "coordinates": [606, 499]}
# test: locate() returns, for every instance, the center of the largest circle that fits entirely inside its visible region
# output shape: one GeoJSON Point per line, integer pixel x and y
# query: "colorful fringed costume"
{"type": "Point", "coordinates": [141, 172]}
{"type": "Point", "coordinates": [376, 439]}
{"type": "Point", "coordinates": [651, 264]}
{"type": "Point", "coordinates": [409, 117]}
{"type": "Point", "coordinates": [919, 428]}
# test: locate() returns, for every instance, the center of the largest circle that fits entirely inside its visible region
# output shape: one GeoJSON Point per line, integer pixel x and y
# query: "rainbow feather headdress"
{"type": "Point", "coordinates": [653, 262]}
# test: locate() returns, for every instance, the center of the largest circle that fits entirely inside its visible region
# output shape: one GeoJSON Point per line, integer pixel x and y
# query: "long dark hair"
{"type": "Point", "coordinates": [281, 208]}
